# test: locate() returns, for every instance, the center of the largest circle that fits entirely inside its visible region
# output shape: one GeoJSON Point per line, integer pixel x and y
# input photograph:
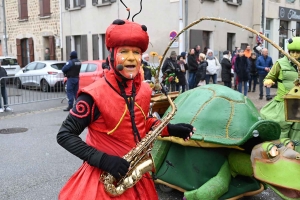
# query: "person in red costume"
{"type": "Point", "coordinates": [114, 109]}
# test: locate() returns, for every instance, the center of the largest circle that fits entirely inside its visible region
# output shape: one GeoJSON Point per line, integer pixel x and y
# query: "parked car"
{"type": "Point", "coordinates": [90, 71]}
{"type": "Point", "coordinates": [10, 64]}
{"type": "Point", "coordinates": [42, 74]}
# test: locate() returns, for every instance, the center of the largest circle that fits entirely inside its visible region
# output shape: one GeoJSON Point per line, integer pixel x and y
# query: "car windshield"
{"type": "Point", "coordinates": [9, 61]}
{"type": "Point", "coordinates": [58, 66]}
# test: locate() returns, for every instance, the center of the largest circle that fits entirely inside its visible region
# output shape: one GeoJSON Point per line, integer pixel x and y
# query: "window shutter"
{"type": "Point", "coordinates": [83, 48]}
{"type": "Point", "coordinates": [41, 8]}
{"type": "Point", "coordinates": [31, 49]}
{"type": "Point", "coordinates": [95, 39]}
{"type": "Point", "coordinates": [67, 4]}
{"type": "Point", "coordinates": [46, 8]}
{"type": "Point", "coordinates": [19, 52]}
{"type": "Point", "coordinates": [94, 2]}
{"type": "Point", "coordinates": [52, 47]}
{"type": "Point", "coordinates": [240, 2]}
{"type": "Point", "coordinates": [68, 47]}
{"type": "Point", "coordinates": [23, 9]}
{"type": "Point", "coordinates": [82, 3]}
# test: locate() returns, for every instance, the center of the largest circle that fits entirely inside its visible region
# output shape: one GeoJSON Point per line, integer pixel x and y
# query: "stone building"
{"type": "Point", "coordinates": [85, 22]}
{"type": "Point", "coordinates": [33, 26]}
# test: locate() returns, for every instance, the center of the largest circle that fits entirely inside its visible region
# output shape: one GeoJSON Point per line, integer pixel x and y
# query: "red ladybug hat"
{"type": "Point", "coordinates": [126, 33]}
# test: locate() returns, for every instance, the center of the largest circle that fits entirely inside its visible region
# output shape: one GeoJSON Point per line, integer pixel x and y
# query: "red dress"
{"type": "Point", "coordinates": [112, 133]}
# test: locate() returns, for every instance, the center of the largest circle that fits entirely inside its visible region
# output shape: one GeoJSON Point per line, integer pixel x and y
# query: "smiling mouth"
{"type": "Point", "coordinates": [130, 66]}
{"type": "Point", "coordinates": [294, 194]}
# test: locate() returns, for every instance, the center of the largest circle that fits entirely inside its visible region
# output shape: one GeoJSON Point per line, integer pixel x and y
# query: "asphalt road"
{"type": "Point", "coordinates": [35, 167]}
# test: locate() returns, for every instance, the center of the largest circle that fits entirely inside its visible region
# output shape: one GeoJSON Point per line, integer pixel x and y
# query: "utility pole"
{"type": "Point", "coordinates": [181, 40]}
{"type": "Point", "coordinates": [263, 17]}
{"type": "Point", "coordinates": [4, 27]}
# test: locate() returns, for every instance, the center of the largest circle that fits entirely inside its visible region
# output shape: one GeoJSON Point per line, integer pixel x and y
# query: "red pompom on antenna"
{"type": "Point", "coordinates": [128, 9]}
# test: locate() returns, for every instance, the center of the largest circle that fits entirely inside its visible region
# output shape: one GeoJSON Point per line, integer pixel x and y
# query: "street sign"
{"type": "Point", "coordinates": [173, 34]}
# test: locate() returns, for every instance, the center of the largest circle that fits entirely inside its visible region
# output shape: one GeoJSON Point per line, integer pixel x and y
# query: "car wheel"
{"type": "Point", "coordinates": [165, 188]}
{"type": "Point", "coordinates": [45, 86]}
{"type": "Point", "coordinates": [17, 83]}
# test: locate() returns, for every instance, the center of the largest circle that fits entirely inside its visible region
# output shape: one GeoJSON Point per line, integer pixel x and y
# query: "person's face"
{"type": "Point", "coordinates": [192, 51]}
{"type": "Point", "coordinates": [130, 58]}
{"type": "Point", "coordinates": [265, 52]}
{"type": "Point", "coordinates": [46, 50]}
{"type": "Point", "coordinates": [253, 56]}
{"type": "Point", "coordinates": [147, 58]}
{"type": "Point", "coordinates": [295, 54]}
{"type": "Point", "coordinates": [210, 54]}
{"type": "Point", "coordinates": [241, 53]}
{"type": "Point", "coordinates": [248, 47]}
{"type": "Point", "coordinates": [198, 48]}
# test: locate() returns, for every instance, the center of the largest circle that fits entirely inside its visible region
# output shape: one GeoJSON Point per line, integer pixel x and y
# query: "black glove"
{"type": "Point", "coordinates": [180, 130]}
{"type": "Point", "coordinates": [114, 165]}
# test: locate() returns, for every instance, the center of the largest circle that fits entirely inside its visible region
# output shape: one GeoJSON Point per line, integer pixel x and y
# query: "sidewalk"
{"type": "Point", "coordinates": [259, 103]}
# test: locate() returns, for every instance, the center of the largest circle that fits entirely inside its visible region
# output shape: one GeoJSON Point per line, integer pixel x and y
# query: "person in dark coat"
{"type": "Point", "coordinates": [253, 72]}
{"type": "Point", "coordinates": [169, 67]}
{"type": "Point", "coordinates": [241, 66]}
{"type": "Point", "coordinates": [201, 70]}
{"type": "Point", "coordinates": [146, 67]}
{"type": "Point", "coordinates": [226, 68]}
{"type": "Point", "coordinates": [192, 65]}
{"type": "Point", "coordinates": [181, 71]}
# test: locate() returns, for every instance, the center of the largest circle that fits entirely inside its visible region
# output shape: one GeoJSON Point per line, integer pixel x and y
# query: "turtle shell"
{"type": "Point", "coordinates": [222, 115]}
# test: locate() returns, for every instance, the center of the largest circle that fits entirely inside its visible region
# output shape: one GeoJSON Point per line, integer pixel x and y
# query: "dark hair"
{"type": "Point", "coordinates": [253, 54]}
{"type": "Point", "coordinates": [240, 50]}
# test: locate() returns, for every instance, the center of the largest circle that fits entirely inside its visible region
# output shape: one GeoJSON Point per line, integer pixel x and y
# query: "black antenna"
{"type": "Point", "coordinates": [126, 9]}
{"type": "Point", "coordinates": [141, 7]}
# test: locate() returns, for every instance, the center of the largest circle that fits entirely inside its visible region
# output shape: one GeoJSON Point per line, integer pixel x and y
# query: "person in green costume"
{"type": "Point", "coordinates": [284, 72]}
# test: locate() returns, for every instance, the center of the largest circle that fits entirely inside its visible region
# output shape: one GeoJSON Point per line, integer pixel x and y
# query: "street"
{"type": "Point", "coordinates": [34, 166]}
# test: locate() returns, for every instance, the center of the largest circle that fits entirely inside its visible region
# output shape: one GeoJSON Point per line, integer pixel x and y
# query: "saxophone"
{"type": "Point", "coordinates": [139, 158]}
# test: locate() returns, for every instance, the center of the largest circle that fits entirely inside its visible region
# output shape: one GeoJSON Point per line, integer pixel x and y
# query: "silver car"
{"type": "Point", "coordinates": [42, 74]}
{"type": "Point", "coordinates": [10, 64]}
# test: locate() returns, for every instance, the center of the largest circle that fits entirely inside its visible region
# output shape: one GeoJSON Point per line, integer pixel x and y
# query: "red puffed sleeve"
{"type": "Point", "coordinates": [151, 122]}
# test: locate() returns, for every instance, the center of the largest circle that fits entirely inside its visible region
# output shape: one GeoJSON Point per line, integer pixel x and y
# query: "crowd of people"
{"type": "Point", "coordinates": [240, 69]}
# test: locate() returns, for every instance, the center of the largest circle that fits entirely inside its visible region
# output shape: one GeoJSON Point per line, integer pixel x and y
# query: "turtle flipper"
{"type": "Point", "coordinates": [214, 188]}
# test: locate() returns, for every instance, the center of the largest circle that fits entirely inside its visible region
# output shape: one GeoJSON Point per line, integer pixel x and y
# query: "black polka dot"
{"type": "Point", "coordinates": [144, 28]}
{"type": "Point", "coordinates": [119, 22]}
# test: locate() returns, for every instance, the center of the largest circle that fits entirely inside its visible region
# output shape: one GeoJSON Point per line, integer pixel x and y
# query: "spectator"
{"type": "Point", "coordinates": [264, 64]}
{"type": "Point", "coordinates": [192, 65]}
{"type": "Point", "coordinates": [213, 66]}
{"type": "Point", "coordinates": [181, 71]}
{"type": "Point", "coordinates": [253, 72]}
{"type": "Point", "coordinates": [201, 71]}
{"type": "Point", "coordinates": [71, 71]}
{"type": "Point", "coordinates": [235, 79]}
{"type": "Point", "coordinates": [205, 50]}
{"type": "Point", "coordinates": [226, 68]}
{"type": "Point", "coordinates": [197, 51]}
{"type": "Point", "coordinates": [241, 67]}
{"type": "Point", "coordinates": [146, 67]}
{"type": "Point", "coordinates": [248, 51]}
{"type": "Point", "coordinates": [3, 91]}
{"type": "Point", "coordinates": [47, 54]}
{"type": "Point", "coordinates": [257, 49]}
{"type": "Point", "coordinates": [169, 69]}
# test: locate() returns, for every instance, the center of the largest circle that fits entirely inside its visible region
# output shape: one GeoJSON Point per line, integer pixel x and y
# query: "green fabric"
{"type": "Point", "coordinates": [240, 163]}
{"type": "Point", "coordinates": [279, 173]}
{"type": "Point", "coordinates": [274, 110]}
{"type": "Point", "coordinates": [295, 45]}
{"type": "Point", "coordinates": [214, 188]}
{"type": "Point", "coordinates": [159, 152]}
{"type": "Point", "coordinates": [193, 166]}
{"type": "Point", "coordinates": [240, 185]}
{"type": "Point", "coordinates": [288, 75]}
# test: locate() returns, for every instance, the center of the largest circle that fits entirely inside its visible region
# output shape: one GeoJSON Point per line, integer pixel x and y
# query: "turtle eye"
{"type": "Point", "coordinates": [290, 145]}
{"type": "Point", "coordinates": [272, 151]}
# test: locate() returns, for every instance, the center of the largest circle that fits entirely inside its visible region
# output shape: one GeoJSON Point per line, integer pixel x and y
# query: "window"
{"type": "Point", "coordinates": [298, 29]}
{"type": "Point", "coordinates": [58, 66]}
{"type": "Point", "coordinates": [30, 66]}
{"type": "Point", "coordinates": [234, 2]}
{"type": "Point", "coordinates": [9, 61]}
{"type": "Point", "coordinates": [23, 10]}
{"type": "Point", "coordinates": [91, 68]}
{"type": "Point", "coordinates": [40, 66]}
{"type": "Point", "coordinates": [99, 48]}
{"type": "Point", "coordinates": [44, 8]}
{"type": "Point", "coordinates": [83, 67]}
{"type": "Point", "coordinates": [25, 51]}
{"type": "Point", "coordinates": [77, 43]}
{"type": "Point", "coordinates": [71, 4]}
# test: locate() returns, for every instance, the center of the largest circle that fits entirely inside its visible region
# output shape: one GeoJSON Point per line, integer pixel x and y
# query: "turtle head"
{"type": "Point", "coordinates": [278, 164]}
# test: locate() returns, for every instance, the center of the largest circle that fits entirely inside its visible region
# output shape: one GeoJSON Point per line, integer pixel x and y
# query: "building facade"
{"type": "Point", "coordinates": [85, 22]}
{"type": "Point", "coordinates": [32, 27]}
{"type": "Point", "coordinates": [282, 21]}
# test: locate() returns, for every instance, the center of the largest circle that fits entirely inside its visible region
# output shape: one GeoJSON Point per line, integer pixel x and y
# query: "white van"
{"type": "Point", "coordinates": [10, 64]}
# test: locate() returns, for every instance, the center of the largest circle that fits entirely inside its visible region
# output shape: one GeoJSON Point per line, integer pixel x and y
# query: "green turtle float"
{"type": "Point", "coordinates": [216, 163]}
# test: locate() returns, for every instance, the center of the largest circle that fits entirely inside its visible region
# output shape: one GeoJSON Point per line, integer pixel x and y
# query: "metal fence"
{"type": "Point", "coordinates": [31, 89]}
